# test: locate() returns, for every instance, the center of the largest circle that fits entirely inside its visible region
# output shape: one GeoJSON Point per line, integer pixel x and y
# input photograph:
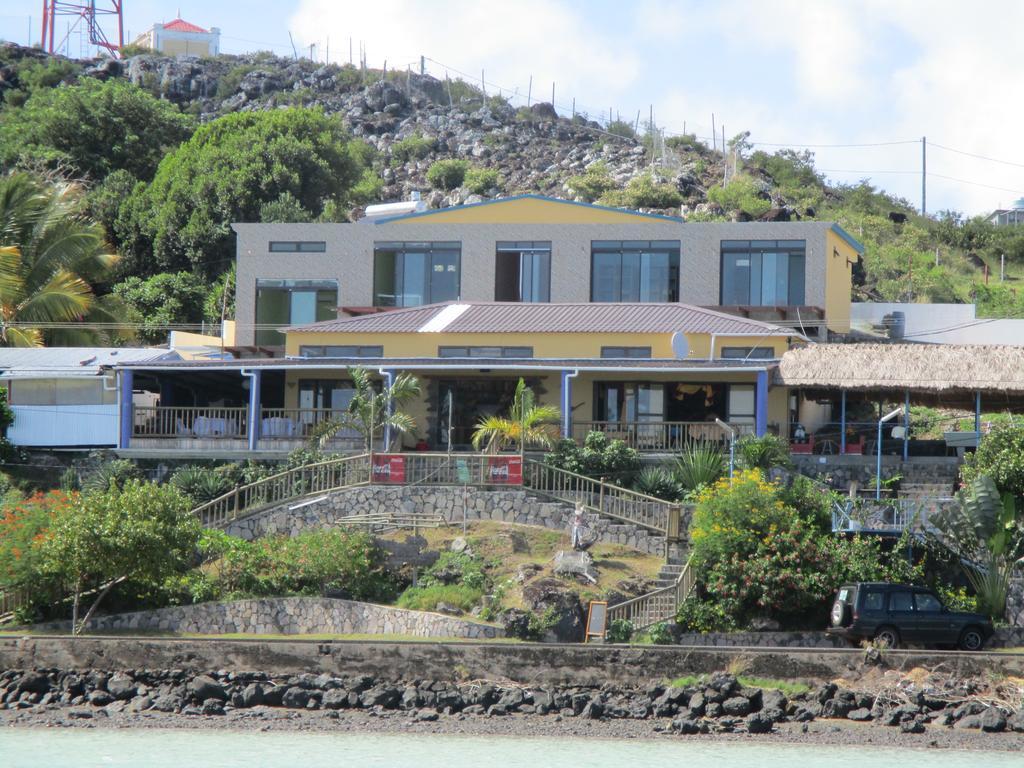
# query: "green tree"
{"type": "Point", "coordinates": [228, 170]}
{"type": "Point", "coordinates": [163, 300]}
{"type": "Point", "coordinates": [593, 183]}
{"type": "Point", "coordinates": [370, 411]}
{"type": "Point", "coordinates": [528, 423]}
{"type": "Point", "coordinates": [742, 193]}
{"type": "Point", "coordinates": [91, 129]}
{"type": "Point", "coordinates": [1000, 456]}
{"type": "Point", "coordinates": [142, 532]}
{"type": "Point", "coordinates": [50, 252]}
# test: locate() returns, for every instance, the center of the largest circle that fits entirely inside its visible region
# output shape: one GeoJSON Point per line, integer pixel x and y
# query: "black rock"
{"type": "Point", "coordinates": [79, 713]}
{"type": "Point", "coordinates": [737, 706]}
{"type": "Point", "coordinates": [860, 715]}
{"type": "Point", "coordinates": [213, 707]}
{"type": "Point", "coordinates": [912, 726]}
{"type": "Point", "coordinates": [295, 698]}
{"type": "Point", "coordinates": [100, 698]}
{"type": "Point", "coordinates": [993, 720]}
{"type": "Point", "coordinates": [274, 695]}
{"type": "Point", "coordinates": [203, 687]}
{"type": "Point", "coordinates": [773, 698]}
{"type": "Point", "coordinates": [969, 722]}
{"type": "Point", "coordinates": [825, 692]}
{"type": "Point", "coordinates": [336, 698]}
{"type": "Point", "coordinates": [593, 711]}
{"type": "Point", "coordinates": [758, 723]}
{"type": "Point", "coordinates": [34, 682]}
{"type": "Point", "coordinates": [167, 703]}
{"type": "Point", "coordinates": [251, 695]}
{"type": "Point", "coordinates": [426, 717]}
{"type": "Point", "coordinates": [697, 704]}
{"type": "Point", "coordinates": [685, 726]}
{"type": "Point", "coordinates": [121, 686]}
{"type": "Point", "coordinates": [382, 696]}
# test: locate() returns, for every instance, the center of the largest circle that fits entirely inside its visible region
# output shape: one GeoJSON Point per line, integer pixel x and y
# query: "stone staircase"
{"type": "Point", "coordinates": [669, 573]}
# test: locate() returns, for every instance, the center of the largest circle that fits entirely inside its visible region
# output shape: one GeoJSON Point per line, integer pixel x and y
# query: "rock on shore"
{"type": "Point", "coordinates": [718, 705]}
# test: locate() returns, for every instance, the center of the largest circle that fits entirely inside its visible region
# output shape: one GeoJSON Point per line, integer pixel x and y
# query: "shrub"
{"type": "Point", "coordinates": [598, 457]}
{"type": "Point", "coordinates": [660, 634]}
{"type": "Point", "coordinates": [698, 465]}
{"type": "Point", "coordinates": [112, 473]}
{"type": "Point", "coordinates": [741, 194]}
{"type": "Point", "coordinates": [447, 174]}
{"type": "Point", "coordinates": [23, 526]}
{"type": "Point", "coordinates": [764, 453]}
{"type": "Point", "coordinates": [644, 191]}
{"type": "Point", "coordinates": [456, 568]}
{"type": "Point", "coordinates": [480, 181]}
{"type": "Point", "coordinates": [1000, 455]}
{"type": "Point", "coordinates": [415, 147]}
{"type": "Point", "coordinates": [592, 183]}
{"type": "Point", "coordinates": [619, 631]}
{"type": "Point", "coordinates": [201, 484]}
{"type": "Point", "coordinates": [340, 562]}
{"type": "Point", "coordinates": [657, 482]}
{"type": "Point", "coordinates": [697, 615]}
{"type": "Point", "coordinates": [427, 598]}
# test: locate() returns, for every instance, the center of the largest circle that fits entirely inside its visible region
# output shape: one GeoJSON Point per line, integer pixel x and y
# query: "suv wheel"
{"type": "Point", "coordinates": [888, 637]}
{"type": "Point", "coordinates": [971, 639]}
{"type": "Point", "coordinates": [840, 614]}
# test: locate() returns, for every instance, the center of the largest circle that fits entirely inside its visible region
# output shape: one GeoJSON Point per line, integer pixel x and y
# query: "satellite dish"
{"type": "Point", "coordinates": [680, 345]}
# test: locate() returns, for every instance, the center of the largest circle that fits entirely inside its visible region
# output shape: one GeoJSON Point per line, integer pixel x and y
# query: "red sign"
{"type": "Point", "coordinates": [388, 468]}
{"type": "Point", "coordinates": [505, 470]}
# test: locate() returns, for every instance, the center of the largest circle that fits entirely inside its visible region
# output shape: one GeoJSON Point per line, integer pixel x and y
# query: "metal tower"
{"type": "Point", "coordinates": [89, 13]}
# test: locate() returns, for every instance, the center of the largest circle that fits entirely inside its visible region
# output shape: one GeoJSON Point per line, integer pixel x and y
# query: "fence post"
{"type": "Point", "coordinates": [600, 496]}
{"type": "Point", "coordinates": [672, 524]}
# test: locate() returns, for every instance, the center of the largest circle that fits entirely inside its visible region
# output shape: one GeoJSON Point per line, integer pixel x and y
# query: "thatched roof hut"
{"type": "Point", "coordinates": [928, 369]}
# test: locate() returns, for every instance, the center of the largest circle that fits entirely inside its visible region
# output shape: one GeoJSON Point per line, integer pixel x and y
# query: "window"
{"type": "Point", "coordinates": [873, 601]}
{"type": "Point", "coordinates": [333, 351]}
{"type": "Point", "coordinates": [629, 401]}
{"type": "Point", "coordinates": [297, 246]}
{"type": "Point", "coordinates": [85, 390]}
{"type": "Point", "coordinates": [747, 353]}
{"type": "Point", "coordinates": [292, 302]}
{"type": "Point", "coordinates": [634, 270]}
{"type": "Point", "coordinates": [763, 273]}
{"type": "Point", "coordinates": [411, 274]}
{"type": "Point", "coordinates": [901, 601]}
{"type": "Point", "coordinates": [626, 352]}
{"type": "Point", "coordinates": [485, 352]}
{"type": "Point", "coordinates": [741, 404]}
{"type": "Point", "coordinates": [522, 272]}
{"type": "Point", "coordinates": [927, 603]}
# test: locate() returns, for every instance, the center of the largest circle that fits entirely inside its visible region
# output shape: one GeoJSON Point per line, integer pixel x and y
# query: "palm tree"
{"type": "Point", "coordinates": [527, 423]}
{"type": "Point", "coordinates": [369, 410]}
{"type": "Point", "coordinates": [50, 252]}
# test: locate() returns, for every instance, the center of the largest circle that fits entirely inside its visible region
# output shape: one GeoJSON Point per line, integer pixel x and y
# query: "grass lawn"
{"type": "Point", "coordinates": [788, 687]}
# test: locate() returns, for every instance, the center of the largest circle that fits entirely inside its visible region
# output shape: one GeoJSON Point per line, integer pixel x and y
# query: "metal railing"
{"type": "Point", "coordinates": [300, 424]}
{"type": "Point", "coordinates": [285, 486]}
{"type": "Point", "coordinates": [659, 436]}
{"type": "Point", "coordinates": [607, 499]}
{"type": "Point", "coordinates": [186, 422]}
{"type": "Point", "coordinates": [657, 606]}
{"type": "Point", "coordinates": [887, 515]}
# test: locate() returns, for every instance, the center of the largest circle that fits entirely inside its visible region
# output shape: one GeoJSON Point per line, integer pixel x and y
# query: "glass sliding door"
{"type": "Point", "coordinates": [523, 272]}
{"type": "Point", "coordinates": [280, 303]}
{"type": "Point", "coordinates": [413, 274]}
{"type": "Point", "coordinates": [634, 271]}
{"type": "Point", "coordinates": [763, 273]}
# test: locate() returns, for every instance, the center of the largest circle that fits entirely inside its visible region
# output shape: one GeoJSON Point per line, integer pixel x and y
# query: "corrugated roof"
{"type": "Point", "coordinates": [503, 317]}
{"type": "Point", "coordinates": [513, 198]}
{"type": "Point", "coordinates": [180, 25]}
{"type": "Point", "coordinates": [74, 361]}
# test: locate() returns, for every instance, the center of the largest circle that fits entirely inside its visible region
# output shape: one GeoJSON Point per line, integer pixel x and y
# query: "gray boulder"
{"type": "Point", "coordinates": [203, 687]}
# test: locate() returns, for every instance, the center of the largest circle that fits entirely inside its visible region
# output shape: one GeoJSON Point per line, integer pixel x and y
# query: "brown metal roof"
{"type": "Point", "coordinates": [506, 317]}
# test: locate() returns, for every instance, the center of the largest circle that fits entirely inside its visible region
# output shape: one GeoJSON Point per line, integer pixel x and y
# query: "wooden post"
{"type": "Point", "coordinates": [672, 527]}
{"type": "Point", "coordinates": [600, 497]}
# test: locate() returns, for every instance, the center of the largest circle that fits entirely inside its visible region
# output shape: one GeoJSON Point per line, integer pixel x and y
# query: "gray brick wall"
{"type": "Point", "coordinates": [349, 256]}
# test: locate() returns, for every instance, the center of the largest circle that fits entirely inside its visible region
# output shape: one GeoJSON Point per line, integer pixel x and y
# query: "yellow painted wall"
{"type": "Point", "coordinates": [185, 47]}
{"type": "Point", "coordinates": [838, 282]}
{"type": "Point", "coordinates": [545, 345]}
{"type": "Point", "coordinates": [527, 211]}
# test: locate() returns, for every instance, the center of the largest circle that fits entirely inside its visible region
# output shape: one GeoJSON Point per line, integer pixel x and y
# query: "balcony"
{"type": "Point", "coordinates": [661, 436]}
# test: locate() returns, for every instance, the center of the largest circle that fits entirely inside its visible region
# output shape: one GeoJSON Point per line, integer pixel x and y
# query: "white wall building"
{"type": "Point", "coordinates": [180, 38]}
{"type": "Point", "coordinates": [935, 323]}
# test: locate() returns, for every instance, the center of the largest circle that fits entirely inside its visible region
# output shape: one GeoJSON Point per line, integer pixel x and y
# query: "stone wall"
{"type": "Point", "coordinates": [1015, 603]}
{"type": "Point", "coordinates": [453, 503]}
{"type": "Point", "coordinates": [840, 471]}
{"type": "Point", "coordinates": [293, 616]}
{"type": "Point", "coordinates": [527, 663]}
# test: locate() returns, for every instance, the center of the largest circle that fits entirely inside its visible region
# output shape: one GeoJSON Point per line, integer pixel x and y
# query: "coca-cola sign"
{"type": "Point", "coordinates": [388, 468]}
{"type": "Point", "coordinates": [505, 470]}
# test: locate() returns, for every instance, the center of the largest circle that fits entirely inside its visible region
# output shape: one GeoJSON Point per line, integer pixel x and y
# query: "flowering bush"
{"type": "Point", "coordinates": [24, 525]}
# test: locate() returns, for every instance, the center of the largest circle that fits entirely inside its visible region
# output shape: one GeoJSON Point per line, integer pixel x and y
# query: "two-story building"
{"type": "Point", "coordinates": [534, 249]}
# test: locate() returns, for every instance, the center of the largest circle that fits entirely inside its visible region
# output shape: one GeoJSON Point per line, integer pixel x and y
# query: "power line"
{"type": "Point", "coordinates": [972, 154]}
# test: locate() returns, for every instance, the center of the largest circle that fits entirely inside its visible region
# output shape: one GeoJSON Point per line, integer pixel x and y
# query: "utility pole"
{"type": "Point", "coordinates": [529, 91]}
{"type": "Point", "coordinates": [423, 65]}
{"type": "Point", "coordinates": [350, 60]}
{"type": "Point", "coordinates": [552, 95]}
{"type": "Point", "coordinates": [311, 51]}
{"type": "Point", "coordinates": [924, 174]}
{"type": "Point", "coordinates": [483, 83]}
{"type": "Point", "coordinates": [714, 140]}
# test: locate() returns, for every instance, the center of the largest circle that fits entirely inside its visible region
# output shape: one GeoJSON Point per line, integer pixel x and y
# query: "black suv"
{"type": "Point", "coordinates": [892, 614]}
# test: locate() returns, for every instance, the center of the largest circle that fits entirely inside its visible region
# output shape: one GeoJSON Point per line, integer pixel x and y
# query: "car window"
{"type": "Point", "coordinates": [844, 595]}
{"type": "Point", "coordinates": [926, 602]}
{"type": "Point", "coordinates": [873, 601]}
{"type": "Point", "coordinates": [901, 601]}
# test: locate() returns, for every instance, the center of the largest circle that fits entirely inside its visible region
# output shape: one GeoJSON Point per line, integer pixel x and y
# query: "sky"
{"type": "Point", "coordinates": [878, 74]}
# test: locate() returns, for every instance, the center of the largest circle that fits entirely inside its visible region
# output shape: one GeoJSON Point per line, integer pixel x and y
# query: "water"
{"type": "Point", "coordinates": [50, 748]}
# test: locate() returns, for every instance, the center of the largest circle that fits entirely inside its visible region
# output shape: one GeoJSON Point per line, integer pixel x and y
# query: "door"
{"type": "Point", "coordinates": [933, 623]}
{"type": "Point", "coordinates": [901, 615]}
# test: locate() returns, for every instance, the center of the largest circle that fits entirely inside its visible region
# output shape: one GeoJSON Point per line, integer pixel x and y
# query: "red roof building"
{"type": "Point", "coordinates": [180, 38]}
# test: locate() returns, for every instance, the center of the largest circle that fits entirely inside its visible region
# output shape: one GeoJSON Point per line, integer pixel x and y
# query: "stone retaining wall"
{"type": "Point", "coordinates": [293, 616]}
{"type": "Point", "coordinates": [1005, 637]}
{"type": "Point", "coordinates": [453, 503]}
